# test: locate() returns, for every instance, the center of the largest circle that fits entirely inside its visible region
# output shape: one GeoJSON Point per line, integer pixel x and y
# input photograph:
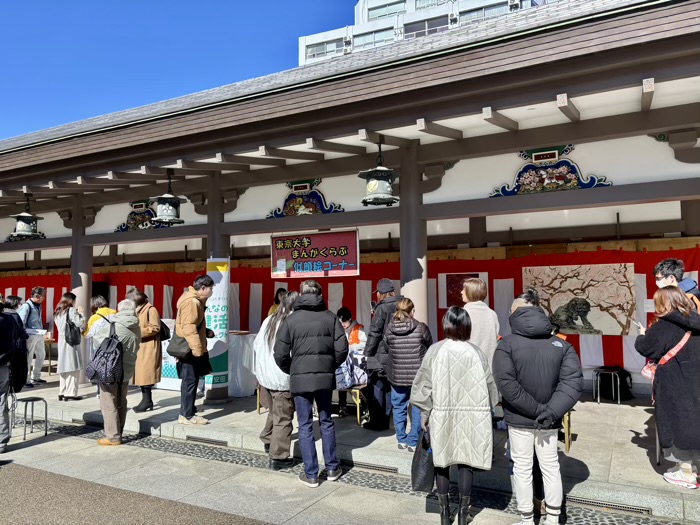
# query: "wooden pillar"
{"type": "Point", "coordinates": [477, 232]}
{"type": "Point", "coordinates": [81, 269]}
{"type": "Point", "coordinates": [690, 213]}
{"type": "Point", "coordinates": [414, 233]}
{"type": "Point", "coordinates": [217, 243]}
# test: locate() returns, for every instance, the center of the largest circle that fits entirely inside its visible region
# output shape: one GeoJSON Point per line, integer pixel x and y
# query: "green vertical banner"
{"type": "Point", "coordinates": [217, 321]}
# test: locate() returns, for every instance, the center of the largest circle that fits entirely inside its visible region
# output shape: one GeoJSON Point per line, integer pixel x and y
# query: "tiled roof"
{"type": "Point", "coordinates": [472, 33]}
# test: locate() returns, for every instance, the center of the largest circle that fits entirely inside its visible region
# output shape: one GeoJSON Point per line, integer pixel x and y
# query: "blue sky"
{"type": "Point", "coordinates": [67, 60]}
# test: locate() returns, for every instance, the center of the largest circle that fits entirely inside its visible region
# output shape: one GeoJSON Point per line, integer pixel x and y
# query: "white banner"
{"type": "Point", "coordinates": [217, 321]}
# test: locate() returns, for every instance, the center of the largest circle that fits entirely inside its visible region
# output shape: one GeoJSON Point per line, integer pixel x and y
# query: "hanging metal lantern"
{"type": "Point", "coordinates": [168, 205]}
{"type": "Point", "coordinates": [380, 182]}
{"type": "Point", "coordinates": [26, 225]}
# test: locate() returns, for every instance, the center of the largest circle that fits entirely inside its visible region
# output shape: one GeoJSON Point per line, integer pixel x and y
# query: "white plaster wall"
{"type": "Point", "coordinates": [63, 253]}
{"type": "Point", "coordinates": [623, 161]}
{"type": "Point", "coordinates": [659, 211]}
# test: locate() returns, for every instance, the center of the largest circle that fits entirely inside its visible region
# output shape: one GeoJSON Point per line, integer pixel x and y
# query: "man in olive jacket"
{"type": "Point", "coordinates": [310, 345]}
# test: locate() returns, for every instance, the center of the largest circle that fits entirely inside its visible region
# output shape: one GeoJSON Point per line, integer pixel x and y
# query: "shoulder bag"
{"type": "Point", "coordinates": [178, 347]}
{"type": "Point", "coordinates": [649, 370]}
{"type": "Point", "coordinates": [72, 332]}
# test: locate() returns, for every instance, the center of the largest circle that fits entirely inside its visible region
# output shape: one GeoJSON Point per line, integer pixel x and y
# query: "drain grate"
{"type": "Point", "coordinates": [207, 441]}
{"type": "Point", "coordinates": [369, 466]}
{"type": "Point", "coordinates": [607, 506]}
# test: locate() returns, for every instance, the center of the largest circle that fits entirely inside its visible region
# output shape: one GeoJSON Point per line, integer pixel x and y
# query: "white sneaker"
{"type": "Point", "coordinates": [194, 420]}
{"type": "Point", "coordinates": [678, 478]}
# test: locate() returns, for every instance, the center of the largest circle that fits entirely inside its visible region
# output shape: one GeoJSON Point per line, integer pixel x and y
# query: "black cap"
{"type": "Point", "coordinates": [385, 286]}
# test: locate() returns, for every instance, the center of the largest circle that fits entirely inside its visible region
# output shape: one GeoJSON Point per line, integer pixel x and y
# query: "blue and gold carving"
{"type": "Point", "coordinates": [304, 199]}
{"type": "Point", "coordinates": [140, 218]}
{"type": "Point", "coordinates": [546, 172]}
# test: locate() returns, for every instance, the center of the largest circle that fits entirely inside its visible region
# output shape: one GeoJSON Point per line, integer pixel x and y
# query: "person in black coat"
{"type": "Point", "coordinates": [677, 381]}
{"type": "Point", "coordinates": [8, 349]}
{"type": "Point", "coordinates": [539, 377]}
{"type": "Point", "coordinates": [310, 345]}
{"type": "Point", "coordinates": [378, 391]}
{"type": "Point", "coordinates": [407, 342]}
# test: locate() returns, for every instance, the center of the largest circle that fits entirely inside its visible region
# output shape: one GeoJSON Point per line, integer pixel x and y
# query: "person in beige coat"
{"type": "Point", "coordinates": [149, 360]}
{"type": "Point", "coordinates": [455, 392]}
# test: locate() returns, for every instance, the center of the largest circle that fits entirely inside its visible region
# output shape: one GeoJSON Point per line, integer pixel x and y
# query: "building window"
{"type": "Point", "coordinates": [324, 49]}
{"type": "Point", "coordinates": [387, 10]}
{"type": "Point", "coordinates": [536, 3]}
{"type": "Point", "coordinates": [426, 27]}
{"type": "Point", "coordinates": [425, 4]}
{"type": "Point", "coordinates": [484, 12]}
{"type": "Point", "coordinates": [378, 38]}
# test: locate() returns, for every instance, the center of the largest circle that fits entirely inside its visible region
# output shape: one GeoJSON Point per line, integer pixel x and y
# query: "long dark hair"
{"type": "Point", "coordinates": [282, 292]}
{"type": "Point", "coordinates": [284, 311]}
{"type": "Point", "coordinates": [67, 301]}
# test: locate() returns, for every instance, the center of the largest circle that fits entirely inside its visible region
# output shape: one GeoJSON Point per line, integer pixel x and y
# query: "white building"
{"type": "Point", "coordinates": [380, 22]}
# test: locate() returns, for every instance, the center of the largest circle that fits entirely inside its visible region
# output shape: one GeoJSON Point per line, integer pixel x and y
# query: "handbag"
{"type": "Point", "coordinates": [649, 370]}
{"type": "Point", "coordinates": [422, 466]}
{"type": "Point", "coordinates": [72, 332]}
{"type": "Point", "coordinates": [178, 347]}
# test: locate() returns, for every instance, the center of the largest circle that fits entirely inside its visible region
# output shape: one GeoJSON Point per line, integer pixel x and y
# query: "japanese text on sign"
{"type": "Point", "coordinates": [315, 254]}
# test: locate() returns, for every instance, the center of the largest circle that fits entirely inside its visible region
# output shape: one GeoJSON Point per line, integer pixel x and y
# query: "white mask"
{"type": "Point", "coordinates": [660, 284]}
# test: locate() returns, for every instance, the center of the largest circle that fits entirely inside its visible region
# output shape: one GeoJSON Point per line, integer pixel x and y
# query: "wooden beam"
{"type": "Point", "coordinates": [137, 178]}
{"type": "Point", "coordinates": [431, 128]}
{"type": "Point", "coordinates": [99, 182]}
{"type": "Point", "coordinates": [380, 215]}
{"type": "Point", "coordinates": [492, 116]}
{"type": "Point", "coordinates": [334, 147]}
{"type": "Point", "coordinates": [251, 161]}
{"type": "Point", "coordinates": [366, 135]}
{"type": "Point", "coordinates": [212, 166]}
{"type": "Point", "coordinates": [266, 151]}
{"type": "Point", "coordinates": [567, 107]}
{"type": "Point", "coordinates": [11, 194]}
{"type": "Point", "coordinates": [660, 191]}
{"type": "Point", "coordinates": [71, 188]}
{"type": "Point", "coordinates": [163, 171]}
{"type": "Point", "coordinates": [648, 88]}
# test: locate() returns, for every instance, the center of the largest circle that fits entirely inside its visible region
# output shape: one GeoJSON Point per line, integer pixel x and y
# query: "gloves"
{"type": "Point", "coordinates": [545, 420]}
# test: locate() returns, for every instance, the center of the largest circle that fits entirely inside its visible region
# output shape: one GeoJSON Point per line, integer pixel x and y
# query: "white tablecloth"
{"type": "Point", "coordinates": [241, 363]}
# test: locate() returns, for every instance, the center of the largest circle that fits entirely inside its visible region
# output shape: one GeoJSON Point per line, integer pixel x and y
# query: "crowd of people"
{"type": "Point", "coordinates": [448, 390]}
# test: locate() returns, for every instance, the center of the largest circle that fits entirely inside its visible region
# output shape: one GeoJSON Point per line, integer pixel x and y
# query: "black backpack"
{"type": "Point", "coordinates": [106, 365]}
{"type": "Point", "coordinates": [72, 333]}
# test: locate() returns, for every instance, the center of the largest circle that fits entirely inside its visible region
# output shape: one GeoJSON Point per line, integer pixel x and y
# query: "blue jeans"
{"type": "Point", "coordinates": [400, 396]}
{"type": "Point", "coordinates": [304, 405]}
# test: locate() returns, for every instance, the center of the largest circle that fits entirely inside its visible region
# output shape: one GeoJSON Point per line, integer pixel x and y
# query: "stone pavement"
{"type": "Point", "coordinates": [610, 462]}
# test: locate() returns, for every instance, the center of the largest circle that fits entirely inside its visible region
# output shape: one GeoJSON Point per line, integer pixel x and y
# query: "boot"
{"type": "Point", "coordinates": [146, 400]}
{"type": "Point", "coordinates": [464, 506]}
{"type": "Point", "coordinates": [444, 500]}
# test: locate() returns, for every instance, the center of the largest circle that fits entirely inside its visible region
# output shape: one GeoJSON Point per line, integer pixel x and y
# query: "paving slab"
{"type": "Point", "coordinates": [172, 477]}
{"type": "Point", "coordinates": [267, 496]}
{"type": "Point", "coordinates": [98, 463]}
{"type": "Point", "coordinates": [41, 448]}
